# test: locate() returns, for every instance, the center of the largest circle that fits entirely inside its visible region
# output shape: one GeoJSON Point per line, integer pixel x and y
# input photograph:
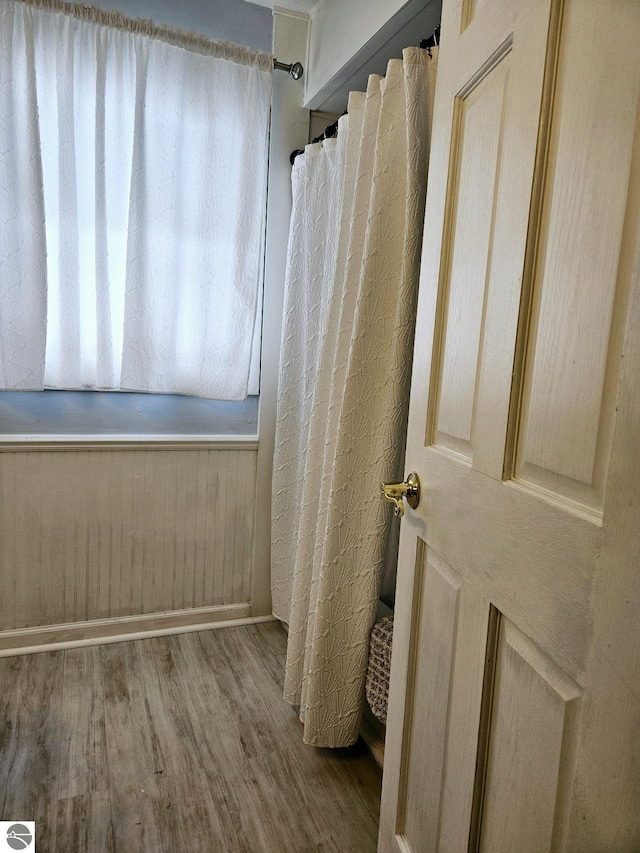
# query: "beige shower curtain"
{"type": "Point", "coordinates": [352, 275]}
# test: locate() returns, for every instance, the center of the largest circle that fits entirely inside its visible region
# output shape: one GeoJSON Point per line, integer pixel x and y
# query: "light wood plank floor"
{"type": "Point", "coordinates": [175, 743]}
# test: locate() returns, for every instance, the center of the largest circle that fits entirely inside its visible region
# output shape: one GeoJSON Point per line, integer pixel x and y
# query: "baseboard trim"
{"type": "Point", "coordinates": [26, 641]}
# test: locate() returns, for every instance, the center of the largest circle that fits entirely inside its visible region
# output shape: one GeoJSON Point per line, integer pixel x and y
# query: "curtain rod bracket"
{"type": "Point", "coordinates": [432, 41]}
{"type": "Point", "coordinates": [294, 68]}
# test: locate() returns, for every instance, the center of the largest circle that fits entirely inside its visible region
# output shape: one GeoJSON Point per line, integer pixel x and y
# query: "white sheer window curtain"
{"type": "Point", "coordinates": [132, 200]}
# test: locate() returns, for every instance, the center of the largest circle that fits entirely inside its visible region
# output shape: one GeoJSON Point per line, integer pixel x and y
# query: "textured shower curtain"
{"type": "Point", "coordinates": [351, 286]}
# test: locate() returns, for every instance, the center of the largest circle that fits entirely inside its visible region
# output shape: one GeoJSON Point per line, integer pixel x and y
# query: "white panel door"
{"type": "Point", "coordinates": [514, 705]}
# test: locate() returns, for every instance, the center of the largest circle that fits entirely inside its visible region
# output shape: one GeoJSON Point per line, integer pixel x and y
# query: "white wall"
{"type": "Point", "coordinates": [231, 20]}
{"type": "Point", "coordinates": [115, 534]}
{"type": "Point", "coordinates": [349, 41]}
{"type": "Point", "coordinates": [289, 131]}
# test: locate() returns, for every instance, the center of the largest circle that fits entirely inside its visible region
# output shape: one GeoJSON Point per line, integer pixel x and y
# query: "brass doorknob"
{"type": "Point", "coordinates": [395, 492]}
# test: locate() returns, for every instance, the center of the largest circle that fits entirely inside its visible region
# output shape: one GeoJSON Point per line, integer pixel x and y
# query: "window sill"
{"type": "Point", "coordinates": [97, 420]}
{"type": "Point", "coordinates": [12, 443]}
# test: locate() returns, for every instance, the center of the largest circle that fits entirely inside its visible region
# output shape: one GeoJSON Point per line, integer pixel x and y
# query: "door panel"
{"type": "Point", "coordinates": [530, 738]}
{"type": "Point", "coordinates": [435, 611]}
{"type": "Point", "coordinates": [476, 143]}
{"type": "Point", "coordinates": [568, 402]}
{"type": "Point", "coordinates": [510, 570]}
{"type": "Point", "coordinates": [489, 120]}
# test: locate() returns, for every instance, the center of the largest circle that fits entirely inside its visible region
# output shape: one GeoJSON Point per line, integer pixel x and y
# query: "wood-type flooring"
{"type": "Point", "coordinates": [171, 744]}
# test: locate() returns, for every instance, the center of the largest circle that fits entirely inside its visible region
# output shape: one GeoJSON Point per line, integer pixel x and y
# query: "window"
{"type": "Point", "coordinates": [133, 175]}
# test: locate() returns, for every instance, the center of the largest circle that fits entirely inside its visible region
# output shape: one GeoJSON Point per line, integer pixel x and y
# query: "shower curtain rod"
{"type": "Point", "coordinates": [294, 68]}
{"type": "Point", "coordinates": [432, 41]}
{"type": "Point", "coordinates": [332, 129]}
{"type": "Point", "coordinates": [328, 133]}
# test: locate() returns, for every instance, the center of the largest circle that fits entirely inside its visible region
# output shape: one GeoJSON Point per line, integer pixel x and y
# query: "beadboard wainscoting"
{"type": "Point", "coordinates": [100, 543]}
